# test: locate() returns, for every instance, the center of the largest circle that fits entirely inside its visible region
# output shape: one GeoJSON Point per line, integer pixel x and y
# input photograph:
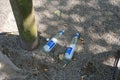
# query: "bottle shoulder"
{"type": "Point", "coordinates": [54, 39]}
{"type": "Point", "coordinates": [72, 45]}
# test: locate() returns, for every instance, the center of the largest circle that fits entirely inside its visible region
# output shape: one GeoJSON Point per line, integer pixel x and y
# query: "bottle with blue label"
{"type": "Point", "coordinates": [70, 50]}
{"type": "Point", "coordinates": [52, 42]}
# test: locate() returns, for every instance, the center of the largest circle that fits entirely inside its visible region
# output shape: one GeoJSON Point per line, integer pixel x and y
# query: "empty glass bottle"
{"type": "Point", "coordinates": [71, 48]}
{"type": "Point", "coordinates": [52, 42]}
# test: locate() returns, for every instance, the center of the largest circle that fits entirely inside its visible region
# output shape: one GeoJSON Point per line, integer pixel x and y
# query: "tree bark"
{"type": "Point", "coordinates": [24, 15]}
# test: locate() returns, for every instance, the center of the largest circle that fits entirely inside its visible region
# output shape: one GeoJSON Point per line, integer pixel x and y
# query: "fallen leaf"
{"type": "Point", "coordinates": [65, 25]}
{"type": "Point", "coordinates": [57, 12]}
{"type": "Point", "coordinates": [81, 39]}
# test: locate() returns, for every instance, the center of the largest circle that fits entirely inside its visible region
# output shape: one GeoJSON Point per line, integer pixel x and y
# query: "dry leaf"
{"type": "Point", "coordinates": [81, 39]}
{"type": "Point", "coordinates": [65, 25]}
{"type": "Point", "coordinates": [74, 59]}
{"type": "Point", "coordinates": [82, 42]}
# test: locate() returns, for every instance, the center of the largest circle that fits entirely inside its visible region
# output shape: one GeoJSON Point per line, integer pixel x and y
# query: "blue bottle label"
{"type": "Point", "coordinates": [69, 50]}
{"type": "Point", "coordinates": [51, 44]}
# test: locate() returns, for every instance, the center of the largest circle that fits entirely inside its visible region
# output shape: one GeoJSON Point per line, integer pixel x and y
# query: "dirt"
{"type": "Point", "coordinates": [96, 20]}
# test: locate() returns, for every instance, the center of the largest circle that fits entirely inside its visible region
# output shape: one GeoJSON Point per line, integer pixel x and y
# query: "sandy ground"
{"type": "Point", "coordinates": [98, 21]}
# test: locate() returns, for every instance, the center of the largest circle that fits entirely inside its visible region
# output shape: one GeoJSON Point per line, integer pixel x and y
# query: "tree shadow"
{"type": "Point", "coordinates": [98, 22]}
{"type": "Point", "coordinates": [27, 61]}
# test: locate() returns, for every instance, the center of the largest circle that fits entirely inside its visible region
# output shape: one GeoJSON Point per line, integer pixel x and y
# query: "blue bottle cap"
{"type": "Point", "coordinates": [77, 35]}
{"type": "Point", "coordinates": [62, 32]}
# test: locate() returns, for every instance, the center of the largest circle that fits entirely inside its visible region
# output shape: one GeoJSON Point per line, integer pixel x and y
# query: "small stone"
{"type": "Point", "coordinates": [47, 39]}
{"type": "Point", "coordinates": [61, 56]}
{"type": "Point", "coordinates": [84, 77]}
{"type": "Point", "coordinates": [45, 69]}
{"type": "Point", "coordinates": [74, 59]}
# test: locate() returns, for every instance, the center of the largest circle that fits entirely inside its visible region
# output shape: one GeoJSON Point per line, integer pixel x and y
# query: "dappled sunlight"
{"type": "Point", "coordinates": [62, 43]}
{"type": "Point", "coordinates": [115, 2]}
{"type": "Point", "coordinates": [93, 33]}
{"type": "Point", "coordinates": [94, 36]}
{"type": "Point", "coordinates": [1, 66]}
{"type": "Point", "coordinates": [96, 49]}
{"type": "Point", "coordinates": [55, 2]}
{"type": "Point", "coordinates": [42, 27]}
{"type": "Point", "coordinates": [109, 61]}
{"type": "Point", "coordinates": [53, 23]}
{"type": "Point", "coordinates": [79, 29]}
{"type": "Point", "coordinates": [111, 38]}
{"type": "Point", "coordinates": [93, 4]}
{"type": "Point", "coordinates": [44, 58]}
{"type": "Point", "coordinates": [79, 49]}
{"type": "Point", "coordinates": [3, 76]}
{"type": "Point", "coordinates": [48, 14]}
{"type": "Point", "coordinates": [96, 20]}
{"type": "Point", "coordinates": [70, 4]}
{"type": "Point", "coordinates": [65, 16]}
{"type": "Point", "coordinates": [77, 18]}
{"type": "Point", "coordinates": [40, 3]}
{"type": "Point", "coordinates": [9, 22]}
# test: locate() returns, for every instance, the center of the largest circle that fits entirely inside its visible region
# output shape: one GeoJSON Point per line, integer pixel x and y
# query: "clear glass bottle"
{"type": "Point", "coordinates": [71, 48]}
{"type": "Point", "coordinates": [52, 42]}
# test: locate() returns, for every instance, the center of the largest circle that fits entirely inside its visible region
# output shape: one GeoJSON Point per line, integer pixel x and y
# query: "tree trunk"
{"type": "Point", "coordinates": [24, 15]}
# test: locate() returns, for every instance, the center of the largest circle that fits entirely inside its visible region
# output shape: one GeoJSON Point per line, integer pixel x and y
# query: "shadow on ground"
{"type": "Point", "coordinates": [98, 23]}
{"type": "Point", "coordinates": [45, 65]}
{"type": "Point", "coordinates": [96, 20]}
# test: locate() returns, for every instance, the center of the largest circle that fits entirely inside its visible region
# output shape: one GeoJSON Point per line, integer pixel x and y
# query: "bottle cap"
{"type": "Point", "coordinates": [62, 32]}
{"type": "Point", "coordinates": [77, 35]}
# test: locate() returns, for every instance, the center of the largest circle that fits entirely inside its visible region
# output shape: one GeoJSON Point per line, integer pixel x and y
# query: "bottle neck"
{"type": "Point", "coordinates": [74, 40]}
{"type": "Point", "coordinates": [58, 35]}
